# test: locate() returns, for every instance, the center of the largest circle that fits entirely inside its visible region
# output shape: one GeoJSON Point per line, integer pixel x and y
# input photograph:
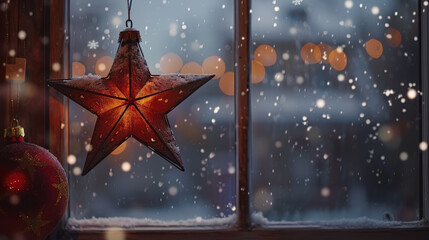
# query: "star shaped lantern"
{"type": "Point", "coordinates": [130, 102]}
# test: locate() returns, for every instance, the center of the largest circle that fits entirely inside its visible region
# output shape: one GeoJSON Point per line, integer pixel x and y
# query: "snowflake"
{"type": "Point", "coordinates": [297, 2]}
{"type": "Point", "coordinates": [93, 44]}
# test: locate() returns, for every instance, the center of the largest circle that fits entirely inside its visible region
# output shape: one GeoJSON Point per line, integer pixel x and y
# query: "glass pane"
{"type": "Point", "coordinates": [336, 111]}
{"type": "Point", "coordinates": [134, 182]}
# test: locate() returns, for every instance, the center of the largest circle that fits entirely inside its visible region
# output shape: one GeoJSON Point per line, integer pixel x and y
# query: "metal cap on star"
{"type": "Point", "coordinates": [129, 35]}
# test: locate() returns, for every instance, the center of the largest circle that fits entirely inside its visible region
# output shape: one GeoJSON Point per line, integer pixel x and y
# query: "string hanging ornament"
{"type": "Point", "coordinates": [130, 101]}
{"type": "Point", "coordinates": [33, 184]}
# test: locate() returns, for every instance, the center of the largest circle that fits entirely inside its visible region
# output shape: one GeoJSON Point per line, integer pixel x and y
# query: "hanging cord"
{"type": "Point", "coordinates": [129, 3]}
{"type": "Point", "coordinates": [15, 85]}
{"type": "Point", "coordinates": [17, 103]}
{"type": "Point", "coordinates": [12, 111]}
{"type": "Point", "coordinates": [14, 104]}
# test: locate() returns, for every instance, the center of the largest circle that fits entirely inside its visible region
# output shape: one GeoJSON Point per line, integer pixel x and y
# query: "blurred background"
{"type": "Point", "coordinates": [336, 117]}
{"type": "Point", "coordinates": [177, 36]}
{"type": "Point", "coordinates": [336, 120]}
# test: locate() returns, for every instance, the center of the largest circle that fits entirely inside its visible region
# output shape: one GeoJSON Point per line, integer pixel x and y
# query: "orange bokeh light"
{"type": "Point", "coordinates": [338, 59]}
{"type": "Point", "coordinates": [192, 68]}
{"type": "Point", "coordinates": [120, 149]}
{"type": "Point", "coordinates": [374, 48]}
{"type": "Point", "coordinates": [325, 50]}
{"type": "Point", "coordinates": [258, 71]}
{"type": "Point", "coordinates": [310, 53]}
{"type": "Point", "coordinates": [214, 65]}
{"type": "Point", "coordinates": [170, 63]}
{"type": "Point", "coordinates": [78, 69]}
{"type": "Point", "coordinates": [226, 83]}
{"type": "Point", "coordinates": [393, 37]}
{"type": "Point", "coordinates": [103, 65]}
{"type": "Point", "coordinates": [266, 55]}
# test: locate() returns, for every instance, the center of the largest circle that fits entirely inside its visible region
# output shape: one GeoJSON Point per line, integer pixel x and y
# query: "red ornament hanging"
{"type": "Point", "coordinates": [33, 189]}
{"type": "Point", "coordinates": [131, 102]}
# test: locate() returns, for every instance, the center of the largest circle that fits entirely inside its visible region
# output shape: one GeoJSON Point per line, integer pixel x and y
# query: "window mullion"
{"type": "Point", "coordinates": [424, 31]}
{"type": "Point", "coordinates": [242, 103]}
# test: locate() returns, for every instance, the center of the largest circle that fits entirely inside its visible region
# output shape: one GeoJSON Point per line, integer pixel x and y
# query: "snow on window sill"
{"type": "Point", "coordinates": [149, 224]}
{"type": "Point", "coordinates": [352, 223]}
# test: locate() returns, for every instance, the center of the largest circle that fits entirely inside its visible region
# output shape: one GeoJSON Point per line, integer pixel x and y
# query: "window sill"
{"type": "Point", "coordinates": [234, 234]}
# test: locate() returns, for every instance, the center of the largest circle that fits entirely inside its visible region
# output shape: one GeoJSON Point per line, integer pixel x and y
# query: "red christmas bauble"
{"type": "Point", "coordinates": [33, 191]}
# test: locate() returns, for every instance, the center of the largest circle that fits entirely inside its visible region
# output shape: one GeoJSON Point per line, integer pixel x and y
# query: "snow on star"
{"type": "Point", "coordinates": [93, 44]}
{"type": "Point", "coordinates": [131, 102]}
{"type": "Point", "coordinates": [297, 2]}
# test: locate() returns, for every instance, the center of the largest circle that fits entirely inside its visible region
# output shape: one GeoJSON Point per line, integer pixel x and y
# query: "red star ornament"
{"type": "Point", "coordinates": [131, 102]}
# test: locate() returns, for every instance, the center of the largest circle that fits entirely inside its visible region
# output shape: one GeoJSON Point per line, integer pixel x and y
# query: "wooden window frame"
{"type": "Point", "coordinates": [57, 141]}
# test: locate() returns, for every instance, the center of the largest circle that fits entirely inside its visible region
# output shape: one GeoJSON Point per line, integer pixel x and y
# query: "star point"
{"type": "Point", "coordinates": [29, 163]}
{"type": "Point", "coordinates": [131, 102]}
{"type": "Point", "coordinates": [34, 224]}
{"type": "Point", "coordinates": [61, 187]}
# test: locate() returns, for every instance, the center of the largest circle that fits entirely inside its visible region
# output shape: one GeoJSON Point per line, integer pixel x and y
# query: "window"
{"type": "Point", "coordinates": [337, 118]}
{"type": "Point", "coordinates": [330, 141]}
{"type": "Point", "coordinates": [133, 183]}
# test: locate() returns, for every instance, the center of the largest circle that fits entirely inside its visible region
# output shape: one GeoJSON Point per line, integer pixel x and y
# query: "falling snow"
{"type": "Point", "coordinates": [334, 127]}
{"type": "Point", "coordinates": [297, 2]}
{"type": "Point", "coordinates": [93, 44]}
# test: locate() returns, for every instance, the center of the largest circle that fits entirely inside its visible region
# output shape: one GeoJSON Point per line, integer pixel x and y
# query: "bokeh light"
{"type": "Point", "coordinates": [75, 129]}
{"type": "Point", "coordinates": [375, 10]}
{"type": "Point", "coordinates": [423, 146]}
{"type": "Point", "coordinates": [279, 77]}
{"type": "Point", "coordinates": [77, 171]}
{"type": "Point", "coordinates": [173, 191]}
{"type": "Point", "coordinates": [325, 192]}
{"type": "Point", "coordinates": [88, 147]}
{"type": "Point", "coordinates": [12, 53]}
{"type": "Point", "coordinates": [231, 169]}
{"type": "Point", "coordinates": [338, 59]}
{"type": "Point", "coordinates": [325, 50]}
{"type": "Point", "coordinates": [226, 83]}
{"type": "Point", "coordinates": [103, 65]}
{"type": "Point", "coordinates": [78, 69]}
{"type": "Point", "coordinates": [310, 53]}
{"type": "Point", "coordinates": [71, 159]}
{"type": "Point", "coordinates": [14, 199]}
{"type": "Point", "coordinates": [258, 71]}
{"type": "Point", "coordinates": [120, 149]}
{"type": "Point", "coordinates": [192, 68]}
{"type": "Point", "coordinates": [262, 200]}
{"type": "Point", "coordinates": [56, 67]}
{"type": "Point", "coordinates": [214, 65]}
{"type": "Point", "coordinates": [387, 134]}
{"type": "Point", "coordinates": [266, 55]}
{"type": "Point", "coordinates": [116, 21]}
{"type": "Point", "coordinates": [114, 234]}
{"type": "Point", "coordinates": [22, 35]}
{"type": "Point", "coordinates": [170, 63]}
{"type": "Point", "coordinates": [403, 156]}
{"type": "Point", "coordinates": [126, 166]}
{"type": "Point", "coordinates": [374, 48]}
{"type": "Point", "coordinates": [320, 103]}
{"type": "Point", "coordinates": [411, 93]}
{"type": "Point", "coordinates": [348, 4]}
{"type": "Point", "coordinates": [393, 37]}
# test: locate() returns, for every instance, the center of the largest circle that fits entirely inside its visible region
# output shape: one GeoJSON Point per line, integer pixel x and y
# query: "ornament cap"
{"type": "Point", "coordinates": [129, 35]}
{"type": "Point", "coordinates": [15, 133]}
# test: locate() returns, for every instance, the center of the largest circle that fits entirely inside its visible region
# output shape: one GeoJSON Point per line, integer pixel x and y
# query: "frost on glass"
{"type": "Point", "coordinates": [134, 187]}
{"type": "Point", "coordinates": [335, 112]}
